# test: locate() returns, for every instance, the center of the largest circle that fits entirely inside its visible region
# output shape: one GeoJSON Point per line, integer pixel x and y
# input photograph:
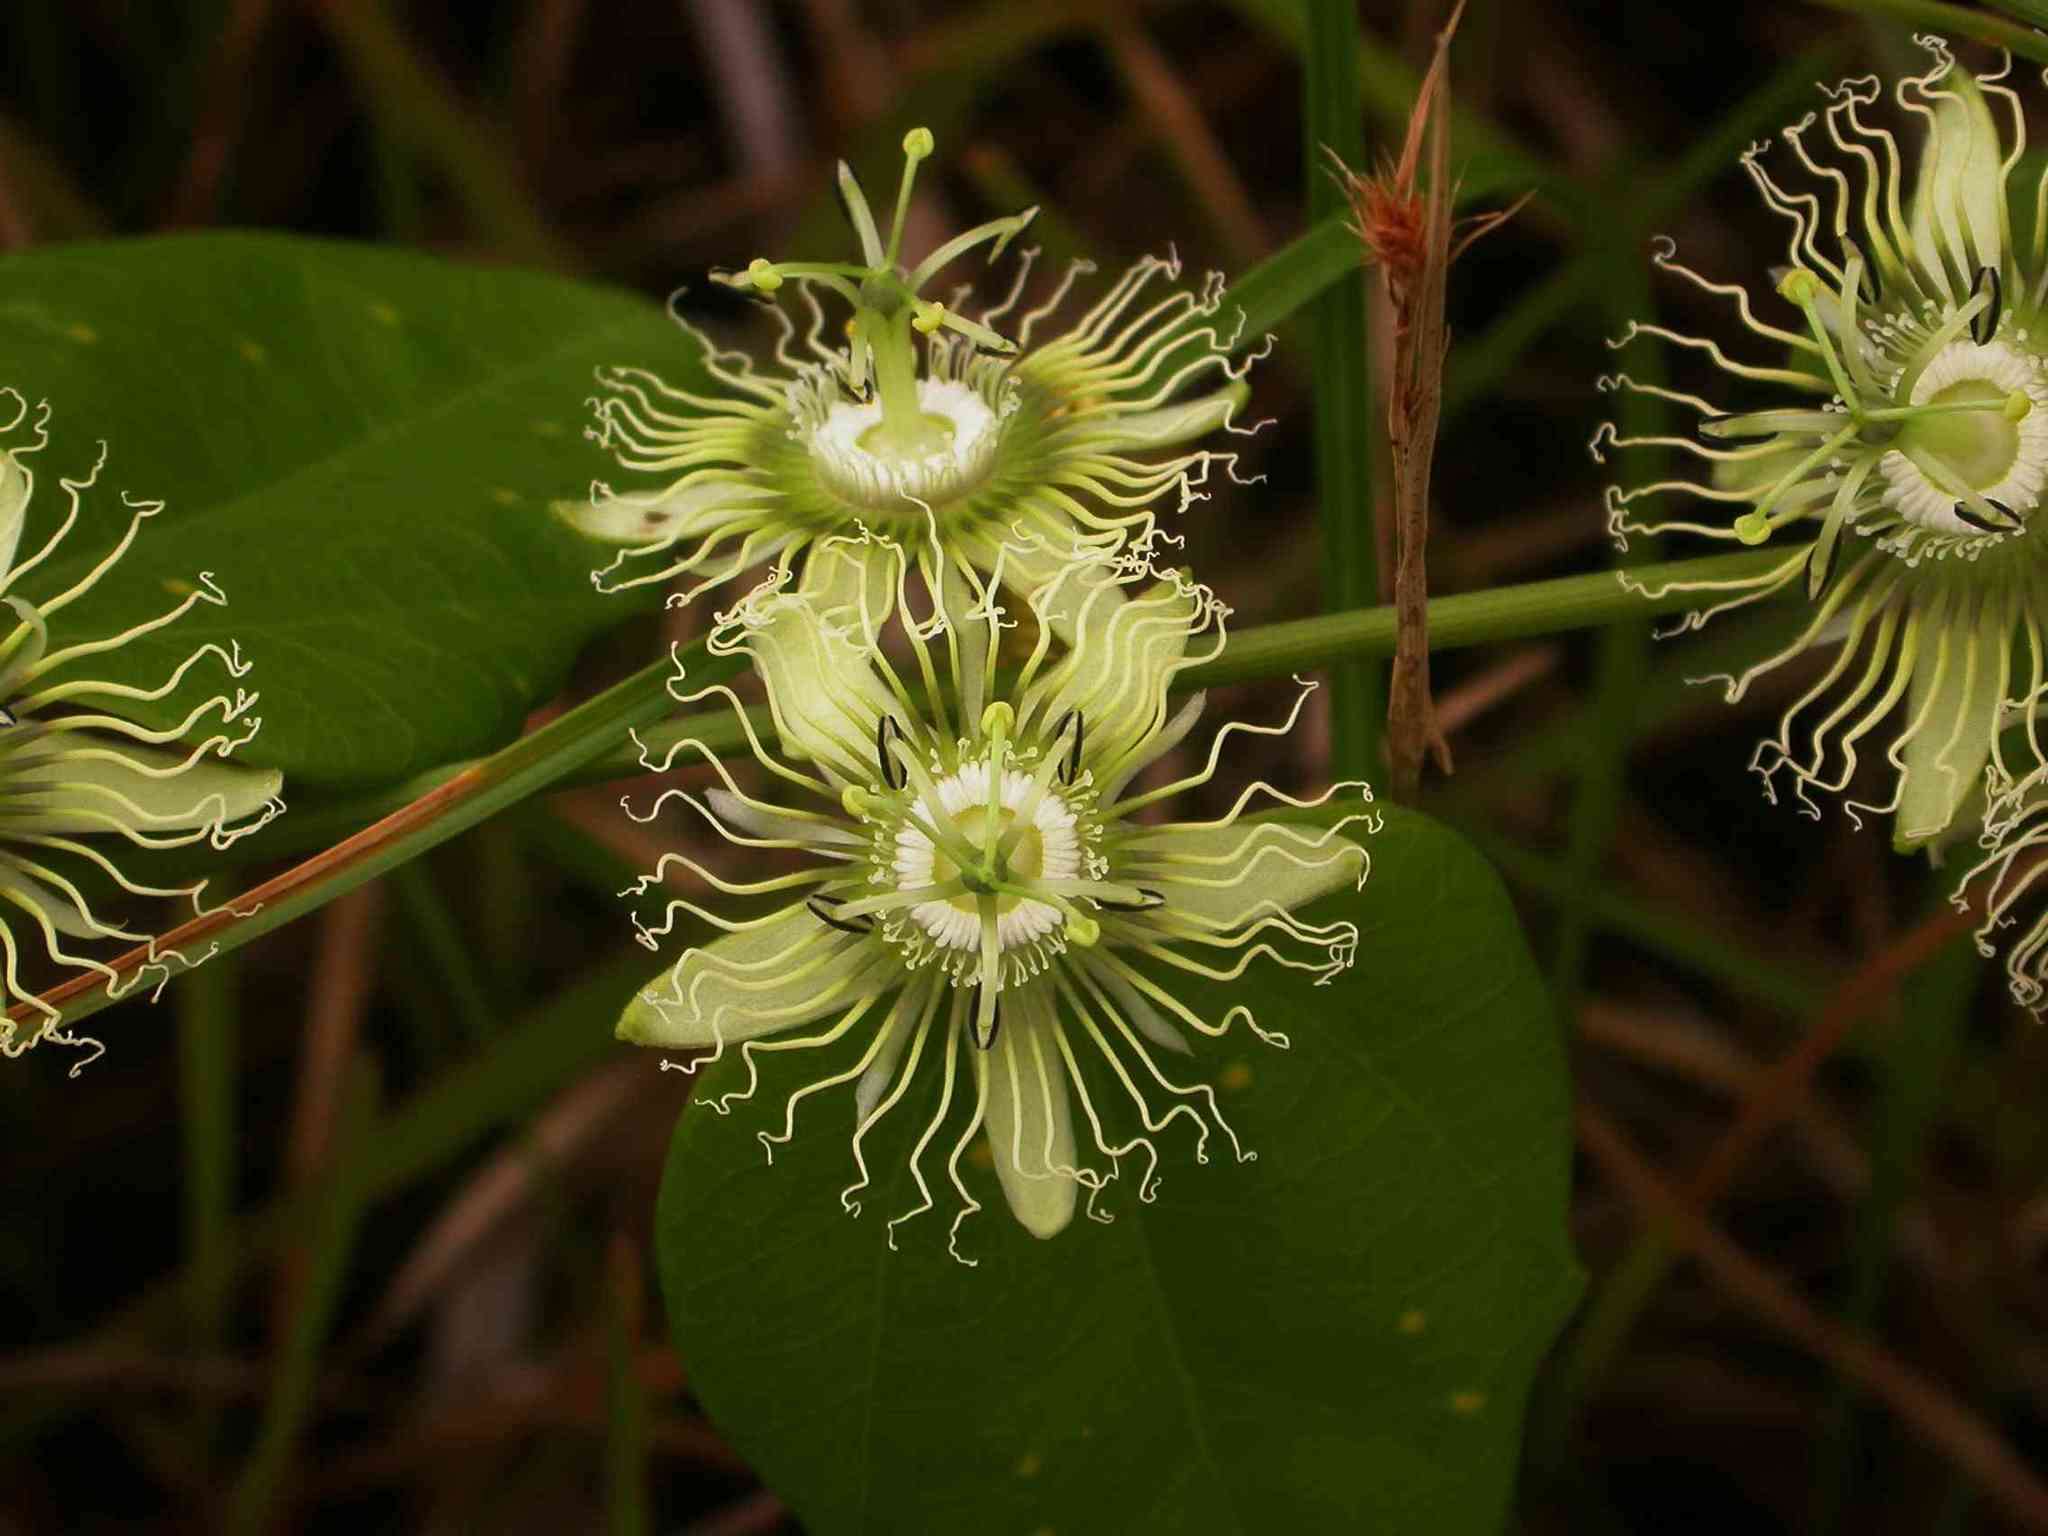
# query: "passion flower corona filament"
{"type": "Point", "coordinates": [1904, 464]}
{"type": "Point", "coordinates": [918, 420]}
{"type": "Point", "coordinates": [79, 775]}
{"type": "Point", "coordinates": [980, 899]}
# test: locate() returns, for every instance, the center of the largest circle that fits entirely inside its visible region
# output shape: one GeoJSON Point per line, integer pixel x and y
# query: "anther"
{"type": "Point", "coordinates": [1968, 514]}
{"type": "Point", "coordinates": [981, 1042]}
{"type": "Point", "coordinates": [2019, 405]}
{"type": "Point", "coordinates": [918, 143]}
{"type": "Point", "coordinates": [1752, 528]}
{"type": "Point", "coordinates": [859, 927]}
{"type": "Point", "coordinates": [894, 775]}
{"type": "Point", "coordinates": [1070, 770]}
{"type": "Point", "coordinates": [1984, 325]}
{"type": "Point", "coordinates": [762, 274]}
{"type": "Point", "coordinates": [1149, 900]}
{"type": "Point", "coordinates": [926, 316]}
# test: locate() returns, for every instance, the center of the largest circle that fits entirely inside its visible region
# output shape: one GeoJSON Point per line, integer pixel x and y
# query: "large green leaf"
{"type": "Point", "coordinates": [360, 445]}
{"type": "Point", "coordinates": [1339, 1336]}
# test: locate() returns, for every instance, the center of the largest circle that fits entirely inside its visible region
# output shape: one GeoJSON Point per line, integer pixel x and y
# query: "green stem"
{"type": "Point", "coordinates": [1345, 424]}
{"type": "Point", "coordinates": [468, 795]}
{"type": "Point", "coordinates": [1479, 618]}
{"type": "Point", "coordinates": [585, 744]}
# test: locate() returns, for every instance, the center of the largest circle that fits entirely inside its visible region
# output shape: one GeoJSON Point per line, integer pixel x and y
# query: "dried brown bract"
{"type": "Point", "coordinates": [1402, 217]}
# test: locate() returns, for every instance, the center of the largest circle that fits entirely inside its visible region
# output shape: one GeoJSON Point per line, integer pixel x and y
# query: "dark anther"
{"type": "Point", "coordinates": [981, 1042]}
{"type": "Point", "coordinates": [8, 717]}
{"type": "Point", "coordinates": [1071, 769]}
{"type": "Point", "coordinates": [1868, 284]}
{"type": "Point", "coordinates": [2012, 518]}
{"type": "Point", "coordinates": [860, 927]}
{"type": "Point", "coordinates": [893, 773]}
{"type": "Point", "coordinates": [1821, 567]}
{"type": "Point", "coordinates": [1983, 524]}
{"type": "Point", "coordinates": [1149, 900]}
{"type": "Point", "coordinates": [1985, 325]}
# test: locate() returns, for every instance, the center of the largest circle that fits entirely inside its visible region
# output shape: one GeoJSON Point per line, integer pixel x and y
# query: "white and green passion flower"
{"type": "Point", "coordinates": [983, 898]}
{"type": "Point", "coordinates": [931, 427]}
{"type": "Point", "coordinates": [1910, 459]}
{"type": "Point", "coordinates": [78, 778]}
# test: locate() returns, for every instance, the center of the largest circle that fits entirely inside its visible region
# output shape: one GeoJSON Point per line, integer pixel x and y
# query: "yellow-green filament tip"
{"type": "Point", "coordinates": [2018, 406]}
{"type": "Point", "coordinates": [928, 315]}
{"type": "Point", "coordinates": [1082, 929]}
{"type": "Point", "coordinates": [1799, 286]}
{"type": "Point", "coordinates": [762, 274]}
{"type": "Point", "coordinates": [998, 720]}
{"type": "Point", "coordinates": [918, 143]}
{"type": "Point", "coordinates": [1752, 527]}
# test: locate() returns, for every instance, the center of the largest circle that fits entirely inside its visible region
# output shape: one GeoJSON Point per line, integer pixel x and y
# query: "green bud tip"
{"type": "Point", "coordinates": [1083, 930]}
{"type": "Point", "coordinates": [762, 274]}
{"type": "Point", "coordinates": [928, 315]}
{"type": "Point", "coordinates": [998, 720]}
{"type": "Point", "coordinates": [2018, 406]}
{"type": "Point", "coordinates": [1752, 528]}
{"type": "Point", "coordinates": [1799, 286]}
{"type": "Point", "coordinates": [918, 143]}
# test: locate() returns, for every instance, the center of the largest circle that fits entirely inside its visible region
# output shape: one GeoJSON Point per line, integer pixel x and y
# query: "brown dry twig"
{"type": "Point", "coordinates": [1924, 1406]}
{"type": "Point", "coordinates": [1403, 222]}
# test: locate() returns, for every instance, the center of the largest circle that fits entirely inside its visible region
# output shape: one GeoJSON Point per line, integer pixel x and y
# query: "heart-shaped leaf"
{"type": "Point", "coordinates": [1339, 1336]}
{"type": "Point", "coordinates": [360, 446]}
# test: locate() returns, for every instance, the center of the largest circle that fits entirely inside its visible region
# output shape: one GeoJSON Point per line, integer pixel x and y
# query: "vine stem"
{"type": "Point", "coordinates": [586, 745]}
{"type": "Point", "coordinates": [471, 793]}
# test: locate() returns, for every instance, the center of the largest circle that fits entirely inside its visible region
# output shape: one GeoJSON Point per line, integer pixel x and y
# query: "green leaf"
{"type": "Point", "coordinates": [360, 445]}
{"type": "Point", "coordinates": [1337, 1336]}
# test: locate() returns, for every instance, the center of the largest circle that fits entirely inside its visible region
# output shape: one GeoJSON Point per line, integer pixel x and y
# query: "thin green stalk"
{"type": "Point", "coordinates": [1956, 21]}
{"type": "Point", "coordinates": [459, 983]}
{"type": "Point", "coordinates": [1476, 618]}
{"type": "Point", "coordinates": [1621, 670]}
{"type": "Point", "coordinates": [626, 1511]}
{"type": "Point", "coordinates": [1774, 982]}
{"type": "Point", "coordinates": [1333, 123]}
{"type": "Point", "coordinates": [1651, 197]}
{"type": "Point", "coordinates": [411, 103]}
{"type": "Point", "coordinates": [334, 1218]}
{"type": "Point", "coordinates": [1915, 1065]}
{"type": "Point", "coordinates": [586, 741]}
{"type": "Point", "coordinates": [207, 1099]}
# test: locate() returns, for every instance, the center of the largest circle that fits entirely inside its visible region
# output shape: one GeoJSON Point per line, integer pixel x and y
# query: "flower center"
{"type": "Point", "coordinates": [1049, 848]}
{"type": "Point", "coordinates": [857, 461]}
{"type": "Point", "coordinates": [1942, 460]}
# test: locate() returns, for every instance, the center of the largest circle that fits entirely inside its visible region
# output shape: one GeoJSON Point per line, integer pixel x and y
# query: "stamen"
{"type": "Point", "coordinates": [1985, 326]}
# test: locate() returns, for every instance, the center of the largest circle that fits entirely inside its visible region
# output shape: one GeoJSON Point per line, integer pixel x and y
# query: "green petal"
{"type": "Point", "coordinates": [1171, 425]}
{"type": "Point", "coordinates": [1960, 193]}
{"type": "Point", "coordinates": [1944, 760]}
{"type": "Point", "coordinates": [1225, 876]}
{"type": "Point", "coordinates": [840, 575]}
{"type": "Point", "coordinates": [660, 517]}
{"type": "Point", "coordinates": [1024, 1105]}
{"type": "Point", "coordinates": [1126, 652]}
{"type": "Point", "coordinates": [743, 985]}
{"type": "Point", "coordinates": [13, 508]}
{"type": "Point", "coordinates": [822, 688]}
{"type": "Point", "coordinates": [76, 793]}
